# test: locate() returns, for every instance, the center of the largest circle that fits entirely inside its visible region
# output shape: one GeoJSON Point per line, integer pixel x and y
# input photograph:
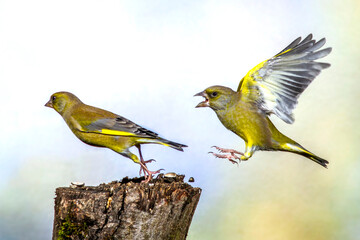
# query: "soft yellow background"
{"type": "Point", "coordinates": [145, 60]}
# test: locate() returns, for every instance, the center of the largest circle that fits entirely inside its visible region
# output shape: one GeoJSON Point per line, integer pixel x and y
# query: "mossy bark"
{"type": "Point", "coordinates": [161, 209]}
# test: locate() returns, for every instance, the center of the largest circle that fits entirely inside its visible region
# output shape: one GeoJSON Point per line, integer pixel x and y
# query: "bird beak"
{"type": "Point", "coordinates": [49, 104]}
{"type": "Point", "coordinates": [203, 103]}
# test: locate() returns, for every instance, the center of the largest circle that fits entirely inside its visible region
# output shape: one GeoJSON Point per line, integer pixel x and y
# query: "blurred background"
{"type": "Point", "coordinates": [145, 60]}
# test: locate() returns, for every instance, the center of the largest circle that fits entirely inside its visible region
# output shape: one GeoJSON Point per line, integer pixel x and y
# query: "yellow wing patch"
{"type": "Point", "coordinates": [254, 73]}
{"type": "Point", "coordinates": [116, 132]}
{"type": "Point", "coordinates": [283, 52]}
{"type": "Point", "coordinates": [249, 79]}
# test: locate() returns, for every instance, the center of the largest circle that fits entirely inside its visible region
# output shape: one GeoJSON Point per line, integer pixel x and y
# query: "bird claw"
{"type": "Point", "coordinates": [231, 156]}
{"type": "Point", "coordinates": [233, 161]}
{"type": "Point", "coordinates": [225, 150]}
{"type": "Point", "coordinates": [149, 161]}
{"type": "Point", "coordinates": [157, 171]}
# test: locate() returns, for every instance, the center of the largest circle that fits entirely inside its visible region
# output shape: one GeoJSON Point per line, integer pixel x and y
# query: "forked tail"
{"type": "Point", "coordinates": [177, 146]}
{"type": "Point", "coordinates": [298, 149]}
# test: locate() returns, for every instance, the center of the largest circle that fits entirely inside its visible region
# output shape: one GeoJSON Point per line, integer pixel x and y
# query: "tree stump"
{"type": "Point", "coordinates": [129, 209]}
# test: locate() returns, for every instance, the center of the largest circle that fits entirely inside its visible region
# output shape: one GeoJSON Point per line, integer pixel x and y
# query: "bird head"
{"type": "Point", "coordinates": [61, 101]}
{"type": "Point", "coordinates": [216, 97]}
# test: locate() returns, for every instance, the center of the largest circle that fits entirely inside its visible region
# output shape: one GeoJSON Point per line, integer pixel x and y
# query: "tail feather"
{"type": "Point", "coordinates": [164, 142]}
{"type": "Point", "coordinates": [315, 158]}
{"type": "Point", "coordinates": [175, 145]}
{"type": "Point", "coordinates": [298, 149]}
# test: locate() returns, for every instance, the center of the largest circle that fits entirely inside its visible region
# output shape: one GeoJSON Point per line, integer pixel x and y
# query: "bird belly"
{"type": "Point", "coordinates": [250, 125]}
{"type": "Point", "coordinates": [116, 143]}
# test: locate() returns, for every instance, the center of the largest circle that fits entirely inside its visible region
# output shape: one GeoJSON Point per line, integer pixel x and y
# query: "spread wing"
{"type": "Point", "coordinates": [276, 84]}
{"type": "Point", "coordinates": [118, 126]}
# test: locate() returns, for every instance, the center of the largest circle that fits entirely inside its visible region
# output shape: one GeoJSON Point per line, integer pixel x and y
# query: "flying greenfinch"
{"type": "Point", "coordinates": [101, 128]}
{"type": "Point", "coordinates": [271, 87]}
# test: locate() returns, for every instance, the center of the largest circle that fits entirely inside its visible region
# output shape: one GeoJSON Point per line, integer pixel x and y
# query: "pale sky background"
{"type": "Point", "coordinates": [145, 60]}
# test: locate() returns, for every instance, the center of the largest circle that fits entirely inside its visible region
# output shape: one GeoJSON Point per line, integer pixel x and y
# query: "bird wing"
{"type": "Point", "coordinates": [118, 126]}
{"type": "Point", "coordinates": [276, 84]}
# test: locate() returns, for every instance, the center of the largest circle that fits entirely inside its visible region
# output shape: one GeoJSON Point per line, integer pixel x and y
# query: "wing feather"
{"type": "Point", "coordinates": [119, 126]}
{"type": "Point", "coordinates": [276, 84]}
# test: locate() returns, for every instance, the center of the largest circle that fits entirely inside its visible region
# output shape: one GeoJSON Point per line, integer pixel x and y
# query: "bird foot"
{"type": "Point", "coordinates": [225, 150]}
{"type": "Point", "coordinates": [232, 158]}
{"type": "Point", "coordinates": [144, 163]}
{"type": "Point", "coordinates": [143, 168]}
{"type": "Point", "coordinates": [147, 173]}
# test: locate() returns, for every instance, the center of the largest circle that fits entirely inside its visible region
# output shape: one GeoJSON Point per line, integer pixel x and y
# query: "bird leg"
{"type": "Point", "coordinates": [232, 157]}
{"type": "Point", "coordinates": [143, 168]}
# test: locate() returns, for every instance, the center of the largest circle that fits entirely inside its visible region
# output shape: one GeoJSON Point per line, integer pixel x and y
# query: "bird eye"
{"type": "Point", "coordinates": [214, 94]}
{"type": "Point", "coordinates": [53, 98]}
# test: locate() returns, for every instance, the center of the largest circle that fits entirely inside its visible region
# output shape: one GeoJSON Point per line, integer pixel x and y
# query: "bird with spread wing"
{"type": "Point", "coordinates": [101, 128]}
{"type": "Point", "coordinates": [272, 87]}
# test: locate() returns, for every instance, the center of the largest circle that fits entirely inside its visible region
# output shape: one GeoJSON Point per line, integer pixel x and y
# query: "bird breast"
{"type": "Point", "coordinates": [246, 122]}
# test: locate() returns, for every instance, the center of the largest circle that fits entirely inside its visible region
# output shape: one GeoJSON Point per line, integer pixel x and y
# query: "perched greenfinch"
{"type": "Point", "coordinates": [101, 128]}
{"type": "Point", "coordinates": [272, 87]}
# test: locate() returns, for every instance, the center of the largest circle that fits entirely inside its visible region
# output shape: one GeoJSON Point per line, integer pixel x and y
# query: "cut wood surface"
{"type": "Point", "coordinates": [129, 209]}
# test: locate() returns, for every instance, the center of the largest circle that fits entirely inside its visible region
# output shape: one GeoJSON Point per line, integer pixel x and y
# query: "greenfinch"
{"type": "Point", "coordinates": [101, 128]}
{"type": "Point", "coordinates": [271, 87]}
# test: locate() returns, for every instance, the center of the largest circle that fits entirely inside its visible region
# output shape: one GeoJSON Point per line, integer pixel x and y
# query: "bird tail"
{"type": "Point", "coordinates": [175, 145]}
{"type": "Point", "coordinates": [164, 142]}
{"type": "Point", "coordinates": [298, 149]}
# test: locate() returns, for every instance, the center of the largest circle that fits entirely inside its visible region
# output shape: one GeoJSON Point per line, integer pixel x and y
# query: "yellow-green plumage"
{"type": "Point", "coordinates": [101, 128]}
{"type": "Point", "coordinates": [272, 87]}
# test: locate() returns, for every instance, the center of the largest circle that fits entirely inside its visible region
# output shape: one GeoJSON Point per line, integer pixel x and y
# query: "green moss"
{"type": "Point", "coordinates": [70, 229]}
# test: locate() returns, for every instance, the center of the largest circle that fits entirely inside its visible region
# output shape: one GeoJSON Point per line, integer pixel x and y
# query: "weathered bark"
{"type": "Point", "coordinates": [161, 209]}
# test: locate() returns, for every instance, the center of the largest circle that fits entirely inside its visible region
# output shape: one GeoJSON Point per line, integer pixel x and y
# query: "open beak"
{"type": "Point", "coordinates": [204, 103]}
{"type": "Point", "coordinates": [49, 104]}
